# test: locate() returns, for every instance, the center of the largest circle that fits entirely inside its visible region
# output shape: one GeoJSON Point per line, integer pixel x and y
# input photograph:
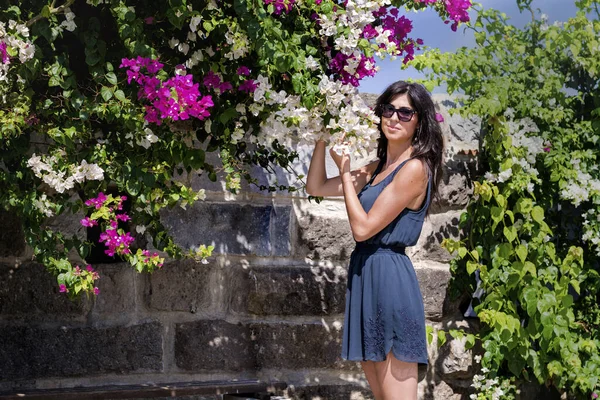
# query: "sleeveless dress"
{"type": "Point", "coordinates": [384, 306]}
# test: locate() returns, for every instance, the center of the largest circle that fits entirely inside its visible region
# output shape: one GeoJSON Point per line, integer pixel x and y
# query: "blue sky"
{"type": "Point", "coordinates": [428, 26]}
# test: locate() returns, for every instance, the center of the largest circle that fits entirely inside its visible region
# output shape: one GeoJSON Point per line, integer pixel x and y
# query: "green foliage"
{"type": "Point", "coordinates": [533, 226]}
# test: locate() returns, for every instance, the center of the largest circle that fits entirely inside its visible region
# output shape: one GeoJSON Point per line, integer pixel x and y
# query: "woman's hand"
{"type": "Point", "coordinates": [342, 162]}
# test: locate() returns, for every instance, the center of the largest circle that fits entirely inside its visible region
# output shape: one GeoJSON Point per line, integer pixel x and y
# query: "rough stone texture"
{"type": "Point", "coordinates": [182, 286]}
{"type": "Point", "coordinates": [433, 283]}
{"type": "Point", "coordinates": [330, 392]}
{"type": "Point", "coordinates": [455, 189]}
{"type": "Point", "coordinates": [293, 290]}
{"type": "Point", "coordinates": [436, 228]}
{"type": "Point", "coordinates": [33, 352]}
{"type": "Point", "coordinates": [117, 290]}
{"type": "Point", "coordinates": [232, 227]}
{"type": "Point", "coordinates": [431, 390]}
{"type": "Point", "coordinates": [454, 361]}
{"type": "Point", "coordinates": [321, 237]}
{"type": "Point", "coordinates": [12, 240]}
{"type": "Point", "coordinates": [29, 291]}
{"type": "Point", "coordinates": [298, 346]}
{"type": "Point", "coordinates": [214, 345]}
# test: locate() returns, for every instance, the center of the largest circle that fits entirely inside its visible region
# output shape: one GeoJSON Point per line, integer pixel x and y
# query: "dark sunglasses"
{"type": "Point", "coordinates": [405, 114]}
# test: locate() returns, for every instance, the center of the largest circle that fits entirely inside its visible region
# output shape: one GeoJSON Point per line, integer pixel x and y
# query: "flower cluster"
{"type": "Point", "coordinates": [109, 209]}
{"type": "Point", "coordinates": [12, 40]}
{"type": "Point", "coordinates": [457, 10]}
{"type": "Point", "coordinates": [352, 68]}
{"type": "Point", "coordinates": [491, 388]}
{"type": "Point", "coordinates": [69, 22]}
{"type": "Point", "coordinates": [45, 168]}
{"type": "Point", "coordinates": [178, 98]}
{"type": "Point", "coordinates": [82, 279]}
{"type": "Point", "coordinates": [281, 5]}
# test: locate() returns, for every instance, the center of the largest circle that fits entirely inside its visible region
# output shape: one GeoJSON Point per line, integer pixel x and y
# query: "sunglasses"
{"type": "Point", "coordinates": [405, 114]}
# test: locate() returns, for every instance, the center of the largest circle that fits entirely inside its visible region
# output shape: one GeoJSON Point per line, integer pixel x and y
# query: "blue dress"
{"type": "Point", "coordinates": [384, 306]}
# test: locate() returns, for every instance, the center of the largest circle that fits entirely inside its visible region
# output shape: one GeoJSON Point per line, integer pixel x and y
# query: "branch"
{"type": "Point", "coordinates": [53, 10]}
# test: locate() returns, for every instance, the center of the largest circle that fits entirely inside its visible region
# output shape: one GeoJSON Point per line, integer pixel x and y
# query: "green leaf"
{"type": "Point", "coordinates": [472, 267]}
{"type": "Point", "coordinates": [120, 95]}
{"type": "Point", "coordinates": [441, 336]}
{"type": "Point", "coordinates": [106, 93]}
{"type": "Point", "coordinates": [537, 213]}
{"type": "Point", "coordinates": [521, 252]}
{"type": "Point", "coordinates": [111, 78]}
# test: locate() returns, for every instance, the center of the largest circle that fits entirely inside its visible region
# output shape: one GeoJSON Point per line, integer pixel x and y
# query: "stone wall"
{"type": "Point", "coordinates": [268, 305]}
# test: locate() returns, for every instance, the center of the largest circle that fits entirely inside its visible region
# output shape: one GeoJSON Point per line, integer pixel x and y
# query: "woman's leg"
{"type": "Point", "coordinates": [371, 374]}
{"type": "Point", "coordinates": [397, 379]}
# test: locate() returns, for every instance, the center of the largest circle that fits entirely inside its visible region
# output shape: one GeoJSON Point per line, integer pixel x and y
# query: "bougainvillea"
{"type": "Point", "coordinates": [125, 97]}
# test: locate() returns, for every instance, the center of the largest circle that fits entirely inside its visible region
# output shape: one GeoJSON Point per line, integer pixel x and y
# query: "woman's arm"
{"type": "Point", "coordinates": [317, 183]}
{"type": "Point", "coordinates": [408, 187]}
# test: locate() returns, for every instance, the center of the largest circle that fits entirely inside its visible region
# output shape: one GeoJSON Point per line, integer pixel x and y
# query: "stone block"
{"type": "Point", "coordinates": [183, 285]}
{"type": "Point", "coordinates": [117, 290]}
{"type": "Point", "coordinates": [35, 352]}
{"type": "Point", "coordinates": [433, 283]}
{"type": "Point", "coordinates": [455, 190]}
{"type": "Point", "coordinates": [291, 346]}
{"type": "Point", "coordinates": [293, 290]}
{"type": "Point", "coordinates": [29, 291]}
{"type": "Point", "coordinates": [436, 228]}
{"type": "Point", "coordinates": [280, 231]}
{"type": "Point", "coordinates": [214, 345]}
{"type": "Point", "coordinates": [12, 239]}
{"type": "Point", "coordinates": [454, 360]}
{"type": "Point", "coordinates": [325, 237]}
{"type": "Point", "coordinates": [233, 228]}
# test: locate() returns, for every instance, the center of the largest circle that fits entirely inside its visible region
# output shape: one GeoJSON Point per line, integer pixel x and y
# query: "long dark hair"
{"type": "Point", "coordinates": [428, 141]}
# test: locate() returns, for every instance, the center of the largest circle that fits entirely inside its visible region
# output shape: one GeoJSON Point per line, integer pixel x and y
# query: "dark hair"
{"type": "Point", "coordinates": [428, 141]}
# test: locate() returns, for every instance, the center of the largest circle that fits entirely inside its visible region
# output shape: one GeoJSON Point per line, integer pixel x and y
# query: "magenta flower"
{"type": "Point", "coordinates": [89, 268]}
{"type": "Point", "coordinates": [5, 57]}
{"type": "Point", "coordinates": [244, 71]}
{"type": "Point", "coordinates": [594, 395]}
{"type": "Point", "coordinates": [123, 217]}
{"type": "Point", "coordinates": [439, 117]}
{"type": "Point", "coordinates": [248, 86]}
{"type": "Point", "coordinates": [87, 222]}
{"type": "Point", "coordinates": [98, 202]}
{"type": "Point", "coordinates": [96, 291]}
{"type": "Point", "coordinates": [149, 20]}
{"type": "Point", "coordinates": [63, 288]}
{"type": "Point", "coordinates": [366, 67]}
{"type": "Point", "coordinates": [281, 5]}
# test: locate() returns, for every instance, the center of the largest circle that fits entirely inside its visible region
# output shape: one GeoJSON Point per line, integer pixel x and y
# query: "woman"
{"type": "Point", "coordinates": [386, 201]}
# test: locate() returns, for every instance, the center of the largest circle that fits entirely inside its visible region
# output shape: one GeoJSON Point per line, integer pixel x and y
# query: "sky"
{"type": "Point", "coordinates": [427, 25]}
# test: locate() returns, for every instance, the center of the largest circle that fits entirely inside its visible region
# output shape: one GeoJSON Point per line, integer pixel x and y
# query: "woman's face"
{"type": "Point", "coordinates": [393, 128]}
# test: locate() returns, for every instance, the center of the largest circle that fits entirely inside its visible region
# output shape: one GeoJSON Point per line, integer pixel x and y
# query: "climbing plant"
{"type": "Point", "coordinates": [533, 225]}
{"type": "Point", "coordinates": [108, 107]}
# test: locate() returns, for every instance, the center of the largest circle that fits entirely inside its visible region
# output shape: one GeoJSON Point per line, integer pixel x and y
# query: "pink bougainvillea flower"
{"type": "Point", "coordinates": [123, 217]}
{"type": "Point", "coordinates": [281, 5]}
{"type": "Point", "coordinates": [89, 268]}
{"type": "Point", "coordinates": [4, 53]}
{"type": "Point", "coordinates": [243, 70]}
{"type": "Point", "coordinates": [63, 288]}
{"type": "Point", "coordinates": [439, 117]}
{"type": "Point", "coordinates": [98, 202]}
{"type": "Point", "coordinates": [87, 222]}
{"type": "Point", "coordinates": [248, 86]}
